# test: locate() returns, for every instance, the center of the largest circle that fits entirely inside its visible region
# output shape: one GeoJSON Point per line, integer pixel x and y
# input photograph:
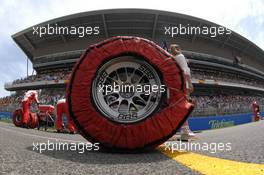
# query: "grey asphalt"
{"type": "Point", "coordinates": [18, 157]}
{"type": "Point", "coordinates": [247, 142]}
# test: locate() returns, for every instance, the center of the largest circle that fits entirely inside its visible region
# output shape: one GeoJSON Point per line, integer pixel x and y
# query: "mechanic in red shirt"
{"type": "Point", "coordinates": [29, 97]}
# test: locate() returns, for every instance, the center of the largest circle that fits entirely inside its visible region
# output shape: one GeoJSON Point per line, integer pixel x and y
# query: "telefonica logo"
{"type": "Point", "coordinates": [220, 124]}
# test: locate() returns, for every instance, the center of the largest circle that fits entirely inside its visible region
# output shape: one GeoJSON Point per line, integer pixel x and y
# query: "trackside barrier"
{"type": "Point", "coordinates": [215, 122]}
{"type": "Point", "coordinates": [196, 123]}
{"type": "Point", "coordinates": [5, 116]}
{"type": "Point", "coordinates": [8, 116]}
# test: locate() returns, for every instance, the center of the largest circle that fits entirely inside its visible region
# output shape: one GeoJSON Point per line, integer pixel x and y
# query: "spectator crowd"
{"type": "Point", "coordinates": [226, 77]}
{"type": "Point", "coordinates": [196, 74]}
{"type": "Point", "coordinates": [225, 104]}
{"type": "Point", "coordinates": [43, 77]}
{"type": "Point", "coordinates": [205, 105]}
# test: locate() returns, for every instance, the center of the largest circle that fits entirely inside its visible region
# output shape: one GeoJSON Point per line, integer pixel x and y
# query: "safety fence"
{"type": "Point", "coordinates": [196, 123]}
{"type": "Point", "coordinates": [228, 110]}
{"type": "Point", "coordinates": [5, 116]}
{"type": "Point", "coordinates": [198, 112]}
{"type": "Point", "coordinates": [9, 107]}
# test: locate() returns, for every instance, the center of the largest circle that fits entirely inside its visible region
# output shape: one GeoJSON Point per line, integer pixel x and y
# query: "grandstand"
{"type": "Point", "coordinates": [227, 70]}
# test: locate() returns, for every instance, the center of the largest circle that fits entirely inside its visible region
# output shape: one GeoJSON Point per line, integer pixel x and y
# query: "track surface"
{"type": "Point", "coordinates": [18, 157]}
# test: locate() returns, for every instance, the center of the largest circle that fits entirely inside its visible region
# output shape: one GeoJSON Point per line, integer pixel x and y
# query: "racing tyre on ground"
{"type": "Point", "coordinates": [33, 123]}
{"type": "Point", "coordinates": [17, 117]}
{"type": "Point", "coordinates": [104, 110]}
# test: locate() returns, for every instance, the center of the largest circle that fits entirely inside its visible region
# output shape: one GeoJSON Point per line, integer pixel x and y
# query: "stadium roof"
{"type": "Point", "coordinates": [137, 22]}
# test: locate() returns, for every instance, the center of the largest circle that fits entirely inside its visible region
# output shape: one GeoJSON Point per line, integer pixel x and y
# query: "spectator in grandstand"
{"type": "Point", "coordinates": [186, 133]}
{"type": "Point", "coordinates": [63, 74]}
{"type": "Point", "coordinates": [58, 75]}
{"type": "Point", "coordinates": [224, 104]}
{"type": "Point", "coordinates": [227, 77]}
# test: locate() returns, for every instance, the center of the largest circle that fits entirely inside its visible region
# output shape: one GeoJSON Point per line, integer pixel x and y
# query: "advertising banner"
{"type": "Point", "coordinates": [215, 122]}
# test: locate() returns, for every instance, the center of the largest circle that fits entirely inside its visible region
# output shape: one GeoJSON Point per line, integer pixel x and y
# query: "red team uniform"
{"type": "Point", "coordinates": [30, 96]}
{"type": "Point", "coordinates": [63, 109]}
{"type": "Point", "coordinates": [256, 111]}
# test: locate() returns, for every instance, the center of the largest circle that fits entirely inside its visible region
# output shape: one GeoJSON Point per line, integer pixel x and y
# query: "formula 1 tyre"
{"type": "Point", "coordinates": [17, 117]}
{"type": "Point", "coordinates": [33, 123]}
{"type": "Point", "coordinates": [104, 110]}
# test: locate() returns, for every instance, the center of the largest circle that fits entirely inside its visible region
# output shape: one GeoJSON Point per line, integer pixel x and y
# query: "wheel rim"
{"type": "Point", "coordinates": [18, 118]}
{"type": "Point", "coordinates": [122, 89]}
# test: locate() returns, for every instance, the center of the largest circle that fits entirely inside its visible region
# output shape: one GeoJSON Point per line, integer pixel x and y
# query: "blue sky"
{"type": "Point", "coordinates": [246, 17]}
